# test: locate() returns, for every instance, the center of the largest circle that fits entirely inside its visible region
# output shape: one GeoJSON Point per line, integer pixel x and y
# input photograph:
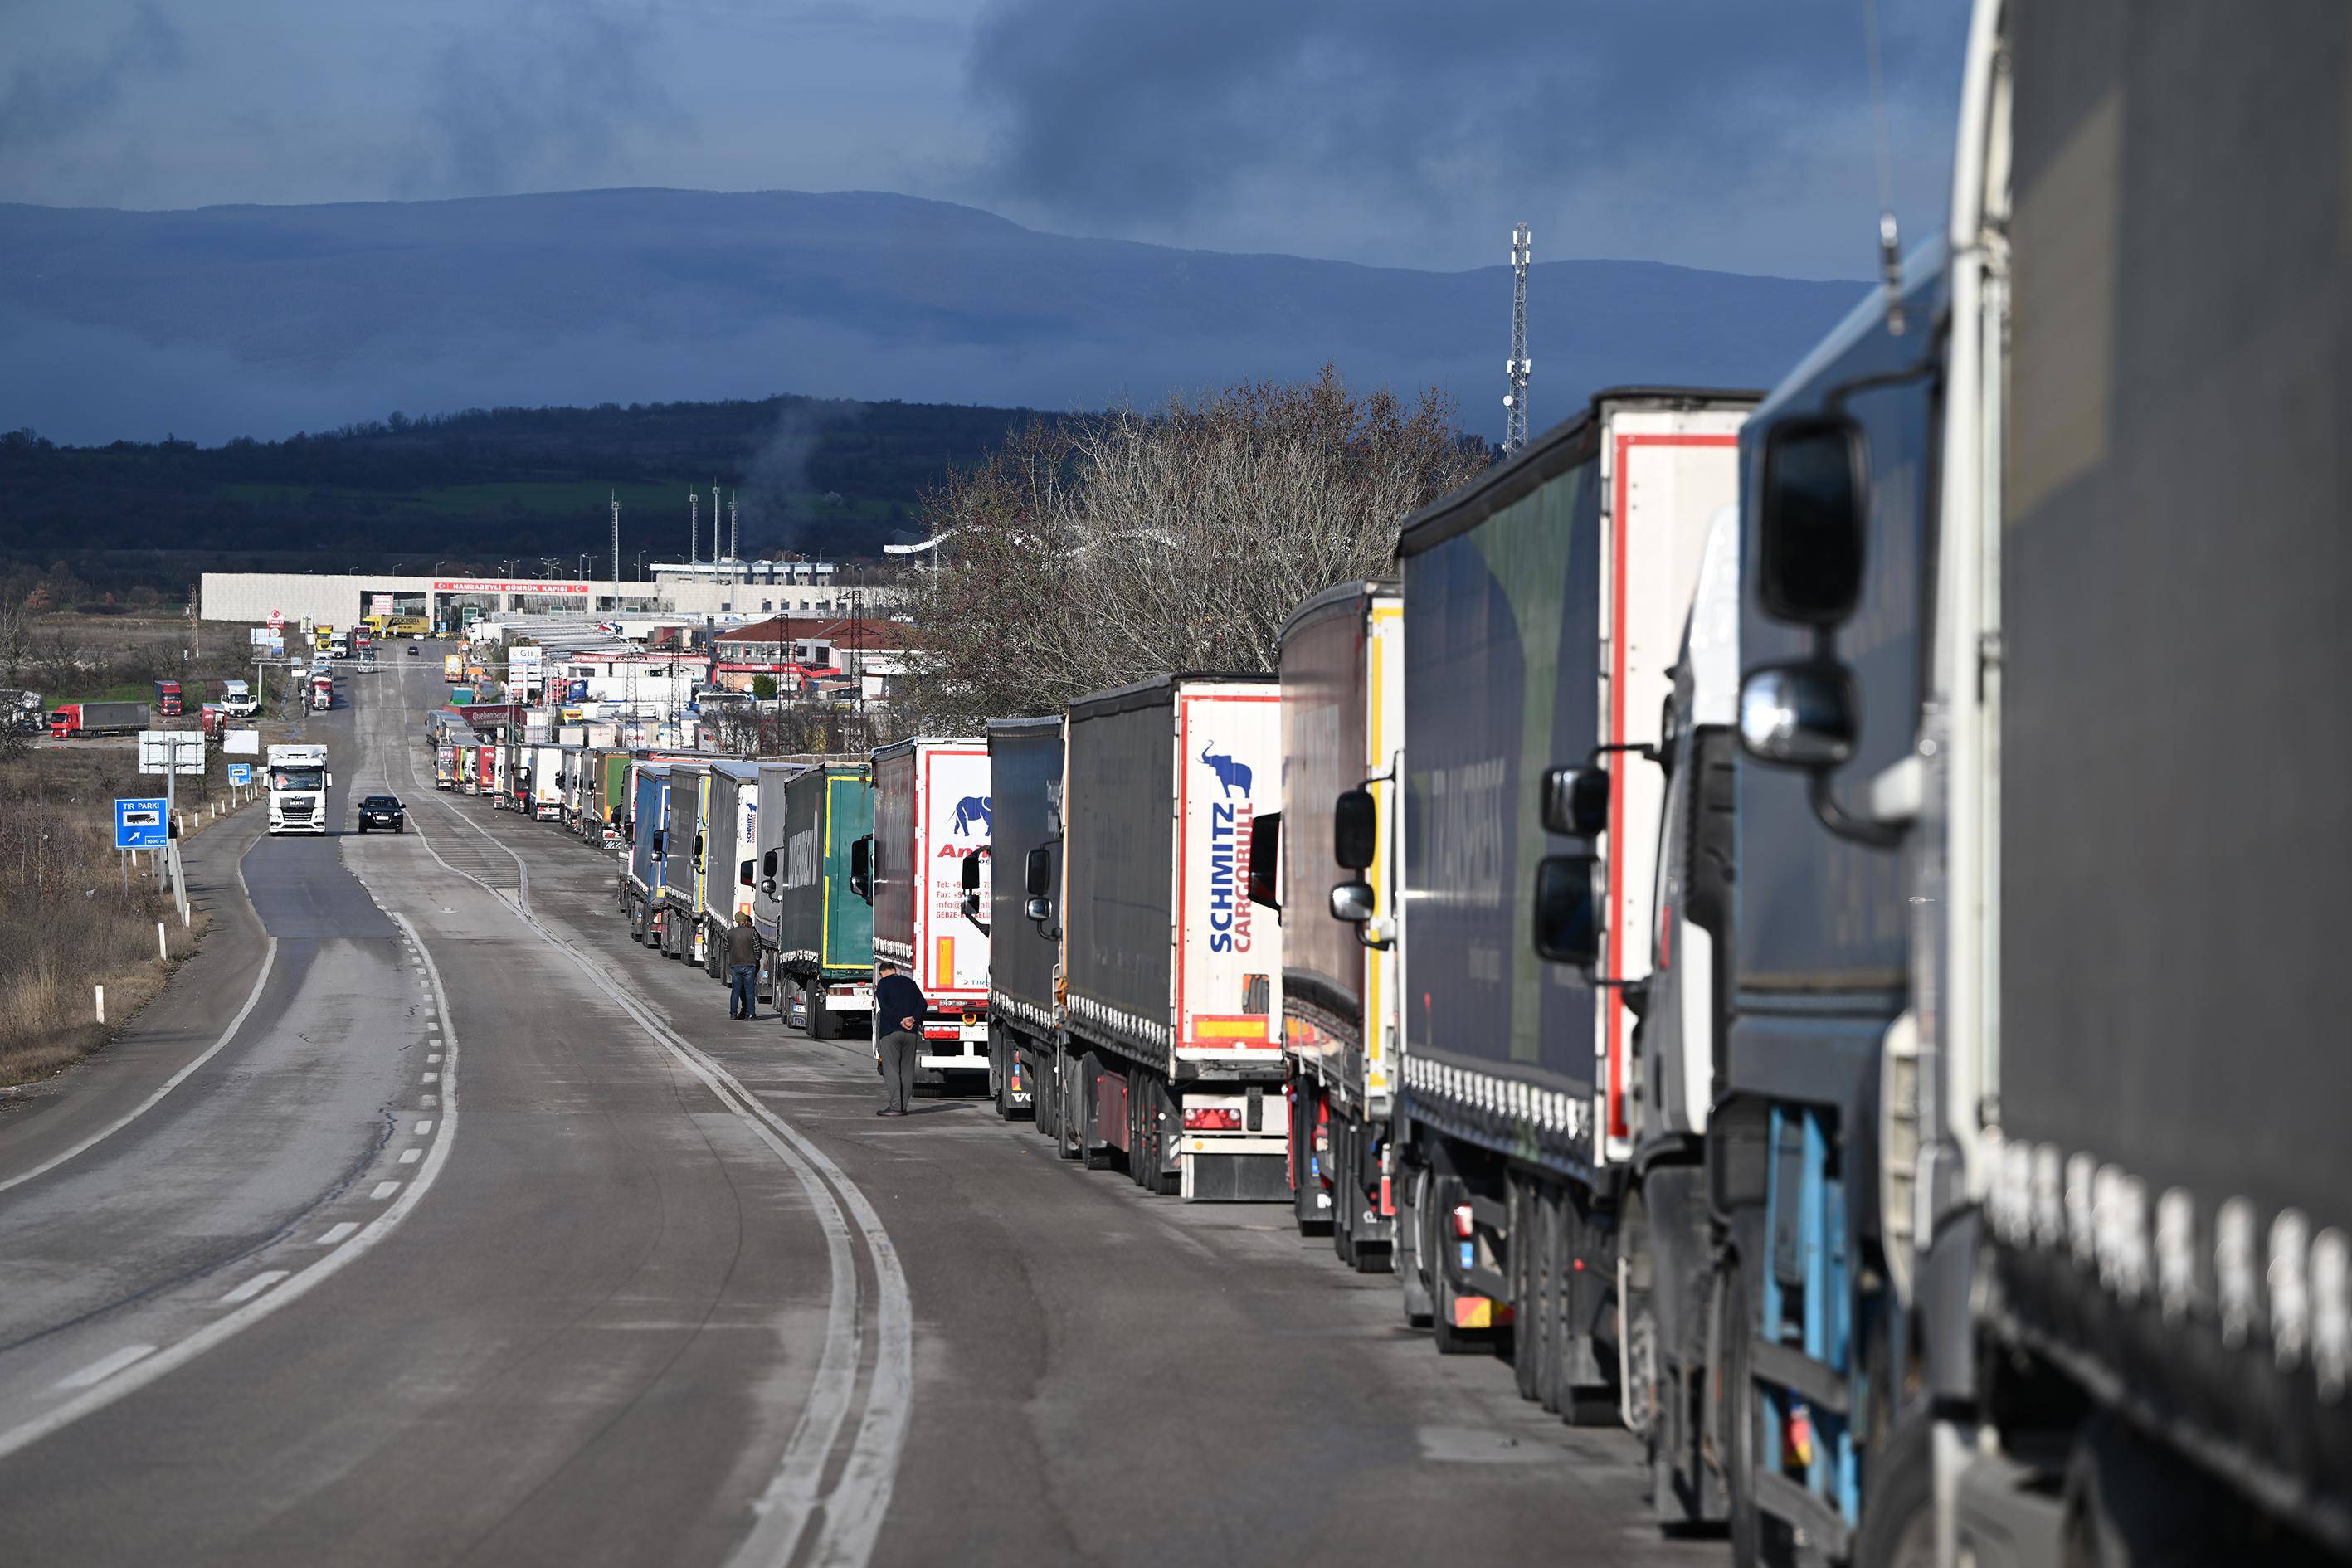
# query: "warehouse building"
{"type": "Point", "coordinates": [339, 599]}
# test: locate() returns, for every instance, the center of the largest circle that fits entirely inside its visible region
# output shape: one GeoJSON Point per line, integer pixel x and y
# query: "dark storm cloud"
{"type": "Point", "coordinates": [50, 96]}
{"type": "Point", "coordinates": [1131, 112]}
{"type": "Point", "coordinates": [543, 95]}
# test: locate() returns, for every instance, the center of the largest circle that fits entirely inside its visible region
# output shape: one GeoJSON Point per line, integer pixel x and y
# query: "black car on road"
{"type": "Point", "coordinates": [382, 811]}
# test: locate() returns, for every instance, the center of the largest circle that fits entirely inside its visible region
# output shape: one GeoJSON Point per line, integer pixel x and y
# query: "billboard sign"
{"type": "Point", "coordinates": [170, 751]}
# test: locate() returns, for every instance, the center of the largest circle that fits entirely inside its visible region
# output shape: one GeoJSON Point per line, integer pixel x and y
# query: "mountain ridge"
{"type": "Point", "coordinates": [258, 320]}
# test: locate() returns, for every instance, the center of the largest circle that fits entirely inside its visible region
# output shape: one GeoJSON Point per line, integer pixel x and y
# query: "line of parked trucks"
{"type": "Point", "coordinates": [1752, 922]}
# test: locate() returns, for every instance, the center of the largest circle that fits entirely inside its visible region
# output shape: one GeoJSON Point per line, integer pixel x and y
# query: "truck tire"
{"type": "Point", "coordinates": [1340, 1140]}
{"type": "Point", "coordinates": [1093, 1154]}
{"type": "Point", "coordinates": [1307, 1186]}
{"type": "Point", "coordinates": [1069, 1106]}
{"type": "Point", "coordinates": [1757, 1540]}
{"type": "Point", "coordinates": [1412, 1247]}
{"type": "Point", "coordinates": [1899, 1510]}
{"type": "Point", "coordinates": [1531, 1267]}
{"type": "Point", "coordinates": [819, 1021]}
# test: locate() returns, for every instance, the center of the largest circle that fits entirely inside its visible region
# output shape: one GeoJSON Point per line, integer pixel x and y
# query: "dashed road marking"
{"type": "Point", "coordinates": [385, 1190]}
{"type": "Point", "coordinates": [410, 1157]}
{"type": "Point", "coordinates": [336, 1233]}
{"type": "Point", "coordinates": [432, 1078]}
{"type": "Point", "coordinates": [99, 1371]}
{"type": "Point", "coordinates": [255, 1286]}
{"type": "Point", "coordinates": [423, 1128]}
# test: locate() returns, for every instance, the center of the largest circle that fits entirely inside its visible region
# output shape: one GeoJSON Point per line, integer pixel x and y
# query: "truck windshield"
{"type": "Point", "coordinates": [297, 778]}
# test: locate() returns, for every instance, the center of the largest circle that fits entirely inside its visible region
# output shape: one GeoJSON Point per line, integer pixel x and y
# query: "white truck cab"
{"type": "Point", "coordinates": [299, 781]}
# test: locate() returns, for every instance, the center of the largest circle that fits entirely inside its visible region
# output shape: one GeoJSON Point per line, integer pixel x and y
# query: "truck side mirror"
{"type": "Point", "coordinates": [1037, 876]}
{"type": "Point", "coordinates": [1567, 912]}
{"type": "Point", "coordinates": [767, 867]}
{"type": "Point", "coordinates": [861, 868]}
{"type": "Point", "coordinates": [1812, 520]}
{"type": "Point", "coordinates": [1575, 801]}
{"type": "Point", "coordinates": [1039, 910]}
{"type": "Point", "coordinates": [743, 875]}
{"type": "Point", "coordinates": [1355, 829]}
{"type": "Point", "coordinates": [1266, 861]}
{"type": "Point", "coordinates": [1799, 715]}
{"type": "Point", "coordinates": [1352, 902]}
{"type": "Point", "coordinates": [971, 873]}
{"type": "Point", "coordinates": [768, 886]}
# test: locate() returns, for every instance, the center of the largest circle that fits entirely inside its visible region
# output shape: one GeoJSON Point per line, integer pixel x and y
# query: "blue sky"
{"type": "Point", "coordinates": [1723, 133]}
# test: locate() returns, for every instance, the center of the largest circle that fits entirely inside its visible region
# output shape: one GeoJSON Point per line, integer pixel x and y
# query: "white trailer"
{"type": "Point", "coordinates": [1170, 1051]}
{"type": "Point", "coordinates": [931, 813]}
{"type": "Point", "coordinates": [547, 776]}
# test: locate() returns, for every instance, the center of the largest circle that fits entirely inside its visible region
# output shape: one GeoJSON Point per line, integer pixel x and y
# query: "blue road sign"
{"type": "Point", "coordinates": [239, 774]}
{"type": "Point", "coordinates": [139, 824]}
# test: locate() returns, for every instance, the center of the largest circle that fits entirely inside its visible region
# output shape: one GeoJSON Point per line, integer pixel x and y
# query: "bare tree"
{"type": "Point", "coordinates": [16, 617]}
{"type": "Point", "coordinates": [1095, 552]}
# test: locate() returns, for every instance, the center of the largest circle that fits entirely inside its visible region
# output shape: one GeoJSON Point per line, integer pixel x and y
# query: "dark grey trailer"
{"type": "Point", "coordinates": [1169, 1059]}
{"type": "Point", "coordinates": [1024, 956]}
{"type": "Point", "coordinates": [812, 908]}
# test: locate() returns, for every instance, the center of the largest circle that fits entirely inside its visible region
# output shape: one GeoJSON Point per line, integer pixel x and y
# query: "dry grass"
{"type": "Point", "coordinates": [69, 918]}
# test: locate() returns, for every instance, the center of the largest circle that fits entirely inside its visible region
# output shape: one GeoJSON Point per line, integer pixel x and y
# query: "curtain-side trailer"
{"type": "Point", "coordinates": [1542, 605]}
{"type": "Point", "coordinates": [1171, 1053]}
{"type": "Point", "coordinates": [812, 912]}
{"type": "Point", "coordinates": [686, 807]}
{"type": "Point", "coordinates": [931, 815]}
{"type": "Point", "coordinates": [732, 856]}
{"type": "Point", "coordinates": [642, 868]}
{"type": "Point", "coordinates": [1024, 956]}
{"type": "Point", "coordinates": [1342, 668]}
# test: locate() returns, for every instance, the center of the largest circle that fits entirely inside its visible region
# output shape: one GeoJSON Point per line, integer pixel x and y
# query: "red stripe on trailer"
{"type": "Point", "coordinates": [1615, 1008]}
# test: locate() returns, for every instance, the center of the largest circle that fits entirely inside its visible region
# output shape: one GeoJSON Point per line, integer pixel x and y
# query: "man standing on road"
{"type": "Point", "coordinates": [899, 1009]}
{"type": "Point", "coordinates": [742, 968]}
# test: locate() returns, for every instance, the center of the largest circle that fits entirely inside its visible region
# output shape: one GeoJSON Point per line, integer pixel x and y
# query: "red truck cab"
{"type": "Point", "coordinates": [167, 699]}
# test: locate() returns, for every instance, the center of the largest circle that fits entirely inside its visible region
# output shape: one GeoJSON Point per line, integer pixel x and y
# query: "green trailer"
{"type": "Point", "coordinates": [813, 909]}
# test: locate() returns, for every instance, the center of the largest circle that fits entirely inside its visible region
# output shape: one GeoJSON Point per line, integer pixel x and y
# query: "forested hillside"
{"type": "Point", "coordinates": [829, 476]}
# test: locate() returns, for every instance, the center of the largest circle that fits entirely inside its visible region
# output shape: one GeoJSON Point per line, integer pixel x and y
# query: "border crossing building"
{"type": "Point", "coordinates": [715, 589]}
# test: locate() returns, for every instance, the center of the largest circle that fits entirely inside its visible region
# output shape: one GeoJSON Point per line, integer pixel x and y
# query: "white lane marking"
{"type": "Point", "coordinates": [336, 1233]}
{"type": "Point", "coordinates": [851, 1518]}
{"type": "Point", "coordinates": [424, 1126]}
{"type": "Point", "coordinates": [268, 958]}
{"type": "Point", "coordinates": [255, 1286]}
{"type": "Point", "coordinates": [427, 1099]}
{"type": "Point", "coordinates": [220, 1330]}
{"type": "Point", "coordinates": [383, 1190]}
{"type": "Point", "coordinates": [432, 1077]}
{"type": "Point", "coordinates": [99, 1371]}
{"type": "Point", "coordinates": [410, 1157]}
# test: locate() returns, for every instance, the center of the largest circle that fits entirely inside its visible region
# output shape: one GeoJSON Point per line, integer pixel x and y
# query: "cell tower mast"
{"type": "Point", "coordinates": [694, 528]}
{"type": "Point", "coordinates": [734, 535]}
{"type": "Point", "coordinates": [1517, 367]}
{"type": "Point", "coordinates": [616, 551]}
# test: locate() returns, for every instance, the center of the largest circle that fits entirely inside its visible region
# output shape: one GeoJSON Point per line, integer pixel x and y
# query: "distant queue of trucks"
{"type": "Point", "coordinates": [1742, 923]}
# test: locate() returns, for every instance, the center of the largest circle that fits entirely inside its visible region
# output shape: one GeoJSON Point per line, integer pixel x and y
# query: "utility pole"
{"type": "Point", "coordinates": [734, 536]}
{"type": "Point", "coordinates": [1517, 368]}
{"type": "Point", "coordinates": [694, 528]}
{"type": "Point", "coordinates": [714, 521]}
{"type": "Point", "coordinates": [616, 551]}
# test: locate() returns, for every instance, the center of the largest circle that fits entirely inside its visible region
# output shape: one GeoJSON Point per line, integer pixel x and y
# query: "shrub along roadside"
{"type": "Point", "coordinates": [69, 918]}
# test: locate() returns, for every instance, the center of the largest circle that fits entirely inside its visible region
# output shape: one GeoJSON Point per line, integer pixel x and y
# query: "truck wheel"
{"type": "Point", "coordinates": [1412, 1245]}
{"type": "Point", "coordinates": [1757, 1540]}
{"type": "Point", "coordinates": [1646, 1380]}
{"type": "Point", "coordinates": [1069, 1106]}
{"type": "Point", "coordinates": [1307, 1183]}
{"type": "Point", "coordinates": [821, 1023]}
{"type": "Point", "coordinates": [1898, 1508]}
{"type": "Point", "coordinates": [1095, 1154]}
{"type": "Point", "coordinates": [1530, 1273]}
{"type": "Point", "coordinates": [1341, 1140]}
{"type": "Point", "coordinates": [1136, 1170]}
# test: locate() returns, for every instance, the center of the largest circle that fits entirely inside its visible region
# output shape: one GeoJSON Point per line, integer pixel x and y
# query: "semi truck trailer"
{"type": "Point", "coordinates": [1170, 1056]}
{"type": "Point", "coordinates": [1024, 956]}
{"type": "Point", "coordinates": [1342, 668]}
{"type": "Point", "coordinates": [2047, 1200]}
{"type": "Point", "coordinates": [684, 823]}
{"type": "Point", "coordinates": [930, 817]}
{"type": "Point", "coordinates": [1542, 606]}
{"type": "Point", "coordinates": [75, 720]}
{"type": "Point", "coordinates": [731, 876]}
{"type": "Point", "coordinates": [815, 920]}
{"type": "Point", "coordinates": [642, 868]}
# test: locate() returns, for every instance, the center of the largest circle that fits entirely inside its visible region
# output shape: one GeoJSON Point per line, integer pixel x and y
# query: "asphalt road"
{"type": "Point", "coordinates": [426, 1219]}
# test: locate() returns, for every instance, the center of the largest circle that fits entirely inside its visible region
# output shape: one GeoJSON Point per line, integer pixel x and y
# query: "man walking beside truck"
{"type": "Point", "coordinates": [742, 968]}
{"type": "Point", "coordinates": [899, 1010]}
